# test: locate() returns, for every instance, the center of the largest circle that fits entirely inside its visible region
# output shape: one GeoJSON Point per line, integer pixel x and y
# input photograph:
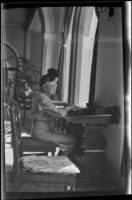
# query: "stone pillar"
{"type": "Point", "coordinates": [51, 51]}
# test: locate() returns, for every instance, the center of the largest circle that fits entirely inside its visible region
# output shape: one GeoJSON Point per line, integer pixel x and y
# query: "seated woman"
{"type": "Point", "coordinates": [43, 111]}
{"type": "Point", "coordinates": [54, 74]}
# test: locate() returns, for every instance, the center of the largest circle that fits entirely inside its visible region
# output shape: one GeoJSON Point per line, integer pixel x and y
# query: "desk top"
{"type": "Point", "coordinates": [90, 119]}
{"type": "Point", "coordinates": [49, 164]}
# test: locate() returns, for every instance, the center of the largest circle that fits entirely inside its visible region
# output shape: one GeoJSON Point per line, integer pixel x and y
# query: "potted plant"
{"type": "Point", "coordinates": [27, 80]}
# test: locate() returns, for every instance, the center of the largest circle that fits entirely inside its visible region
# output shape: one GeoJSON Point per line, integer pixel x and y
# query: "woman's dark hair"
{"type": "Point", "coordinates": [44, 79]}
{"type": "Point", "coordinates": [50, 76]}
{"type": "Point", "coordinates": [53, 73]}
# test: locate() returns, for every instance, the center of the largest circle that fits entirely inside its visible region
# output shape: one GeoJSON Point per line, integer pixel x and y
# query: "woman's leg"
{"type": "Point", "coordinates": [42, 132]}
{"type": "Point", "coordinates": [67, 150]}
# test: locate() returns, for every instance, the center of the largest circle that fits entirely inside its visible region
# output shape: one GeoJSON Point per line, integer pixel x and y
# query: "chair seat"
{"type": "Point", "coordinates": [29, 144]}
{"type": "Point", "coordinates": [52, 164]}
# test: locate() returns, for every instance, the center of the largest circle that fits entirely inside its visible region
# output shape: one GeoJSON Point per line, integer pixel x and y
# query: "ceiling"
{"type": "Point", "coordinates": [19, 17]}
{"type": "Point", "coordinates": [22, 17]}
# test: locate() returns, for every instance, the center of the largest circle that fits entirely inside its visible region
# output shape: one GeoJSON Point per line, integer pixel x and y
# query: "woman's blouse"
{"type": "Point", "coordinates": [41, 102]}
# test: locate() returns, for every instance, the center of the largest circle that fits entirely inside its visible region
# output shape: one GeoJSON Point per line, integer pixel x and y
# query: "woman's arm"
{"type": "Point", "coordinates": [50, 109]}
{"type": "Point", "coordinates": [53, 112]}
{"type": "Point", "coordinates": [59, 103]}
{"type": "Point", "coordinates": [46, 105]}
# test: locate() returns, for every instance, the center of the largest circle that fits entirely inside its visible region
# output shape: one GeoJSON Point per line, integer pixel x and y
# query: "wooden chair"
{"type": "Point", "coordinates": [35, 173]}
{"type": "Point", "coordinates": [27, 143]}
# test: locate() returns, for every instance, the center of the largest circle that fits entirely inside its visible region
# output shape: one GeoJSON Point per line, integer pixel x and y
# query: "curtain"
{"type": "Point", "coordinates": [74, 46]}
{"type": "Point", "coordinates": [61, 67]}
{"type": "Point", "coordinates": [125, 161]}
{"type": "Point", "coordinates": [94, 64]}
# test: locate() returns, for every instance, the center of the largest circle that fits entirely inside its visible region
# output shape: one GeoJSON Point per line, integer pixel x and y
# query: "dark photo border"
{"type": "Point", "coordinates": [126, 68]}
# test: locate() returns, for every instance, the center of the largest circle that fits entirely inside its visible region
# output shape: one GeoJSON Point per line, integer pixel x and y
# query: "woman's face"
{"type": "Point", "coordinates": [56, 79]}
{"type": "Point", "coordinates": [50, 87]}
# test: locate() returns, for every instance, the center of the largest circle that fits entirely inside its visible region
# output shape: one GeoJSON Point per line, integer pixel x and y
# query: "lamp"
{"type": "Point", "coordinates": [103, 9]}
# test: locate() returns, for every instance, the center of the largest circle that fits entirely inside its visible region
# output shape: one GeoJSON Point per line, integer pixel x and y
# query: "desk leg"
{"type": "Point", "coordinates": [93, 161]}
{"type": "Point", "coordinates": [71, 187]}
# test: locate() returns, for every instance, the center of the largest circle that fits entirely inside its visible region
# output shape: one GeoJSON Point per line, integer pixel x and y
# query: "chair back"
{"type": "Point", "coordinates": [16, 138]}
{"type": "Point", "coordinates": [26, 144]}
{"type": "Point", "coordinates": [15, 126]}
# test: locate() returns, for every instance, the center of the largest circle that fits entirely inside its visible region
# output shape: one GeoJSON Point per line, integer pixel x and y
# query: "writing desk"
{"type": "Point", "coordinates": [90, 123]}
{"type": "Point", "coordinates": [93, 141]}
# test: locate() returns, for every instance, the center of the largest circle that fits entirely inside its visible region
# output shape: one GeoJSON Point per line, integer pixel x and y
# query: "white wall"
{"type": "Point", "coordinates": [53, 17]}
{"type": "Point", "coordinates": [52, 45]}
{"type": "Point", "coordinates": [109, 81]}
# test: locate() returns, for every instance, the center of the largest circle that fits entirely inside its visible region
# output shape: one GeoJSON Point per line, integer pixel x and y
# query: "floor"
{"type": "Point", "coordinates": [106, 182]}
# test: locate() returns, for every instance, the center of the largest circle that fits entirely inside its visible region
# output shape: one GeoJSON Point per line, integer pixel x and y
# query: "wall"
{"type": "Point", "coordinates": [35, 49]}
{"type": "Point", "coordinates": [15, 36]}
{"type": "Point", "coordinates": [43, 48]}
{"type": "Point", "coordinates": [53, 17]}
{"type": "Point", "coordinates": [52, 46]}
{"type": "Point", "coordinates": [109, 81]}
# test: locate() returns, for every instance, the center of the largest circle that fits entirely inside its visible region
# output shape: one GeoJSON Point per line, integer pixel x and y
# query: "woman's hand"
{"type": "Point", "coordinates": [70, 107]}
{"type": "Point", "coordinates": [63, 112]}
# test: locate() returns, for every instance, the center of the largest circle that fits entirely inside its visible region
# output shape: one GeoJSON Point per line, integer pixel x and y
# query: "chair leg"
{"type": "Point", "coordinates": [16, 179]}
{"type": "Point", "coordinates": [57, 151]}
{"type": "Point", "coordinates": [49, 153]}
{"type": "Point", "coordinates": [17, 185]}
{"type": "Point", "coordinates": [24, 114]}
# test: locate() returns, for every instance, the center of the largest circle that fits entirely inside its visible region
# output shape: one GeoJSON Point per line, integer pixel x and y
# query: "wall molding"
{"type": "Point", "coordinates": [53, 36]}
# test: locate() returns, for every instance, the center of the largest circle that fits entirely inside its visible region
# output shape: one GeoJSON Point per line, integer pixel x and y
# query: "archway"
{"type": "Point", "coordinates": [53, 19]}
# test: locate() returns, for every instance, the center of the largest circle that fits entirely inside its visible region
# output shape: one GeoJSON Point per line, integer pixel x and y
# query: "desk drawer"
{"type": "Point", "coordinates": [48, 182]}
